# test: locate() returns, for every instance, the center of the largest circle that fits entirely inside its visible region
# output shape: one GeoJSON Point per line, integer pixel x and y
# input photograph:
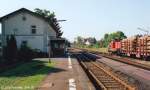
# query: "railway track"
{"type": "Point", "coordinates": [125, 60]}
{"type": "Point", "coordinates": [120, 59]}
{"type": "Point", "coordinates": [104, 79]}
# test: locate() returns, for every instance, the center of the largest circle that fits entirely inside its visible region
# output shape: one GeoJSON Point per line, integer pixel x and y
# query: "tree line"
{"type": "Point", "coordinates": [102, 43]}
{"type": "Point", "coordinates": [85, 42]}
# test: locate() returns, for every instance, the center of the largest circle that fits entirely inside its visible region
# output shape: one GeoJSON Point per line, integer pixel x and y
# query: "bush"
{"type": "Point", "coordinates": [10, 50]}
{"type": "Point", "coordinates": [42, 54]}
{"type": "Point", "coordinates": [27, 54]}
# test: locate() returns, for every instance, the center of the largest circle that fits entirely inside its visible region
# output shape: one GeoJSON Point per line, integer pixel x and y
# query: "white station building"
{"type": "Point", "coordinates": [31, 28]}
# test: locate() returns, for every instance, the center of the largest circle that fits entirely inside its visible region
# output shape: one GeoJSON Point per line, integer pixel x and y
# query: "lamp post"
{"type": "Point", "coordinates": [49, 51]}
{"type": "Point", "coordinates": [61, 20]}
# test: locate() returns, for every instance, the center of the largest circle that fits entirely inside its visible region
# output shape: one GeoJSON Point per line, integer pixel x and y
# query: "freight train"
{"type": "Point", "coordinates": [137, 47]}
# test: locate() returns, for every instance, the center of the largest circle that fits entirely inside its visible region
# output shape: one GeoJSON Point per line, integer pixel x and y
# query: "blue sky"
{"type": "Point", "coordinates": [90, 18]}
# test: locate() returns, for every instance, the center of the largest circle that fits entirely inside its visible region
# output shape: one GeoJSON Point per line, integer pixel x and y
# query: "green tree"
{"type": "Point", "coordinates": [106, 36]}
{"type": "Point", "coordinates": [10, 53]}
{"type": "Point", "coordinates": [119, 35]}
{"type": "Point", "coordinates": [93, 40]}
{"type": "Point", "coordinates": [96, 45]}
{"type": "Point", "coordinates": [80, 40]}
{"type": "Point", "coordinates": [25, 52]}
{"type": "Point", "coordinates": [101, 43]}
{"type": "Point", "coordinates": [6, 50]}
{"type": "Point", "coordinates": [13, 46]}
{"type": "Point", "coordinates": [51, 18]}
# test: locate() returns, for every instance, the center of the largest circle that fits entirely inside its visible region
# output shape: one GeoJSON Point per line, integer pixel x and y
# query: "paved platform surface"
{"type": "Point", "coordinates": [69, 76]}
{"type": "Point", "coordinates": [137, 73]}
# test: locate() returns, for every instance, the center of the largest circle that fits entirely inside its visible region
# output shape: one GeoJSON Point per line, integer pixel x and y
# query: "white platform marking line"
{"type": "Point", "coordinates": [72, 84]}
{"type": "Point", "coordinates": [69, 62]}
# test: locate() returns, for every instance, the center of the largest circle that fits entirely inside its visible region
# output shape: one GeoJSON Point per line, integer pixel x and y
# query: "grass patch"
{"type": "Point", "coordinates": [26, 76]}
{"type": "Point", "coordinates": [102, 50]}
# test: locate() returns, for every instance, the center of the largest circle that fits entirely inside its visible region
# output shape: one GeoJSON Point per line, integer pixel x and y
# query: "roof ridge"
{"type": "Point", "coordinates": [26, 10]}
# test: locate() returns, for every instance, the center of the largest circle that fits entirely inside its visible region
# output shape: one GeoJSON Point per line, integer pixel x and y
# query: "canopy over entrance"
{"type": "Point", "coordinates": [57, 46]}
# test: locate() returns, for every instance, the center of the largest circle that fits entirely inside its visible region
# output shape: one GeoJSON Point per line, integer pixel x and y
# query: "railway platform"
{"type": "Point", "coordinates": [67, 75]}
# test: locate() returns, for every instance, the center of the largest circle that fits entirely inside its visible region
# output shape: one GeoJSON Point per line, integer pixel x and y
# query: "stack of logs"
{"type": "Point", "coordinates": [124, 45]}
{"type": "Point", "coordinates": [129, 44]}
{"type": "Point", "coordinates": [144, 44]}
{"type": "Point", "coordinates": [136, 45]}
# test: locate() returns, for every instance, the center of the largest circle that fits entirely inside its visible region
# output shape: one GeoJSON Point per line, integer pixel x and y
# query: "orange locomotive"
{"type": "Point", "coordinates": [115, 47]}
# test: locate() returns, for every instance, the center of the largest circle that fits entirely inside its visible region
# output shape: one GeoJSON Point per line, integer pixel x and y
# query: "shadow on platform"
{"type": "Point", "coordinates": [35, 67]}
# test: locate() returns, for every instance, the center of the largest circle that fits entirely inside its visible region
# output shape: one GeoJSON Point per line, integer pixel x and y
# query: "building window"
{"type": "Point", "coordinates": [33, 29]}
{"type": "Point", "coordinates": [24, 42]}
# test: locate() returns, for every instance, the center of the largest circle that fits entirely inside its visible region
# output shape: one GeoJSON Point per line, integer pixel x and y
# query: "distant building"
{"type": "Point", "coordinates": [89, 41]}
{"type": "Point", "coordinates": [31, 28]}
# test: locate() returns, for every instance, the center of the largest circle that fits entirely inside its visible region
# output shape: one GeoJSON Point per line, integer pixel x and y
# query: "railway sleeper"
{"type": "Point", "coordinates": [95, 68]}
{"type": "Point", "coordinates": [92, 68]}
{"type": "Point", "coordinates": [100, 75]}
{"type": "Point", "coordinates": [108, 81]}
{"type": "Point", "coordinates": [106, 78]}
{"type": "Point", "coordinates": [113, 86]}
{"type": "Point", "coordinates": [98, 71]}
{"type": "Point", "coordinates": [118, 88]}
{"type": "Point", "coordinates": [103, 76]}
